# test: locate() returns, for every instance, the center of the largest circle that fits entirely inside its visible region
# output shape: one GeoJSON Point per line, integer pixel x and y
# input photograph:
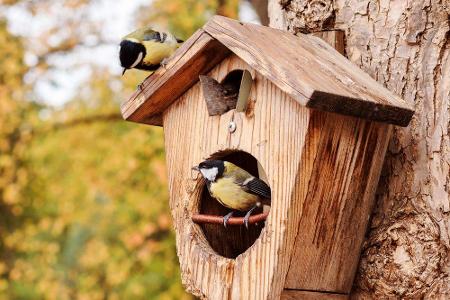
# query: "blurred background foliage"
{"type": "Point", "coordinates": [83, 195]}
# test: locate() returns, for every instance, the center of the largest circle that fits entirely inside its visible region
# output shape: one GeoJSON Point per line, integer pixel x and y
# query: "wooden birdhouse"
{"type": "Point", "coordinates": [293, 111]}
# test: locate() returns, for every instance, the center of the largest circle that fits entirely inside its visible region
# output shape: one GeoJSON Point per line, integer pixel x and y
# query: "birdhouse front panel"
{"type": "Point", "coordinates": [273, 130]}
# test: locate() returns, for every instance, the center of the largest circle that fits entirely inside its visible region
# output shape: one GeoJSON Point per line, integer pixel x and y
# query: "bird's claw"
{"type": "Point", "coordinates": [247, 216]}
{"type": "Point", "coordinates": [140, 86]}
{"type": "Point", "coordinates": [226, 218]}
{"type": "Point", "coordinates": [164, 63]}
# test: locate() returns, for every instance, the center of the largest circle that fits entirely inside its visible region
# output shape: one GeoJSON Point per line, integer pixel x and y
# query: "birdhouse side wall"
{"type": "Point", "coordinates": [342, 165]}
{"type": "Point", "coordinates": [273, 130]}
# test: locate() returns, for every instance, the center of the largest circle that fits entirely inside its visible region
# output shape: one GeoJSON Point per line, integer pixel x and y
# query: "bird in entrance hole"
{"type": "Point", "coordinates": [146, 49]}
{"type": "Point", "coordinates": [234, 187]}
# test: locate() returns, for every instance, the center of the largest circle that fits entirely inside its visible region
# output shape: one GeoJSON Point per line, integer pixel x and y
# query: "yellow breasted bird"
{"type": "Point", "coordinates": [234, 187]}
{"type": "Point", "coordinates": [145, 49]}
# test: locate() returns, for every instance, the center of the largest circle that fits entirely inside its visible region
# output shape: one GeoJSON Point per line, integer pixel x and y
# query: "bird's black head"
{"type": "Point", "coordinates": [131, 54]}
{"type": "Point", "coordinates": [211, 169]}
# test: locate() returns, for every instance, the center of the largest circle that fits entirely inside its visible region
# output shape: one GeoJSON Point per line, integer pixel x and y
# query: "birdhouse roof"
{"type": "Point", "coordinates": [305, 67]}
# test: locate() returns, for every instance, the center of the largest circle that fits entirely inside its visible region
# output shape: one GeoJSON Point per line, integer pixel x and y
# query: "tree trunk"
{"type": "Point", "coordinates": [404, 44]}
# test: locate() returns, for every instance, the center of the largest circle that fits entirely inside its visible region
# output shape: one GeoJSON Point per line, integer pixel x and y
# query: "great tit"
{"type": "Point", "coordinates": [234, 187]}
{"type": "Point", "coordinates": [146, 48]}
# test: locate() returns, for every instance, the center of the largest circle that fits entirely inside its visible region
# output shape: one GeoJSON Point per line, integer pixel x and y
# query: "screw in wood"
{"type": "Point", "coordinates": [232, 127]}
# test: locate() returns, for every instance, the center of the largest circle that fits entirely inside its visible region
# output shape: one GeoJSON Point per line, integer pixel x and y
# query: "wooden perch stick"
{"type": "Point", "coordinates": [199, 218]}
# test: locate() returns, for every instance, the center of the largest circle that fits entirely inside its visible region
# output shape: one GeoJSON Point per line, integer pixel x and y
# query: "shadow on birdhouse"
{"type": "Point", "coordinates": [318, 127]}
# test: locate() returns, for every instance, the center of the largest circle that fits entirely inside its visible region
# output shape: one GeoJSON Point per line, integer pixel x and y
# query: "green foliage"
{"type": "Point", "coordinates": [84, 203]}
{"type": "Point", "coordinates": [98, 225]}
{"type": "Point", "coordinates": [14, 175]}
{"type": "Point", "coordinates": [184, 17]}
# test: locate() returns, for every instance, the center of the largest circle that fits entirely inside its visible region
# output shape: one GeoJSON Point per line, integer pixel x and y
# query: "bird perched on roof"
{"type": "Point", "coordinates": [145, 49]}
{"type": "Point", "coordinates": [234, 187]}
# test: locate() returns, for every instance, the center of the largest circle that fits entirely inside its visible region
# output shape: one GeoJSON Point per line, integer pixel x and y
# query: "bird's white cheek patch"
{"type": "Point", "coordinates": [138, 60]}
{"type": "Point", "coordinates": [210, 174]}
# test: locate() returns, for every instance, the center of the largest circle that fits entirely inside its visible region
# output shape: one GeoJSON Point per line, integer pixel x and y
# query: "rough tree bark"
{"type": "Point", "coordinates": [404, 44]}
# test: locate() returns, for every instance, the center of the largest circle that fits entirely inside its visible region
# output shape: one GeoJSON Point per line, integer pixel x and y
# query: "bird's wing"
{"type": "Point", "coordinates": [159, 36]}
{"type": "Point", "coordinates": [149, 34]}
{"type": "Point", "coordinates": [249, 183]}
{"type": "Point", "coordinates": [258, 187]}
{"type": "Point", "coordinates": [152, 35]}
{"type": "Point", "coordinates": [144, 34]}
{"type": "Point", "coordinates": [255, 186]}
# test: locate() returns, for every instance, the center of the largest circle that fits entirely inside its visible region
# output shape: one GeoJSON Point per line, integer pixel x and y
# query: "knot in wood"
{"type": "Point", "coordinates": [410, 249]}
{"type": "Point", "coordinates": [307, 16]}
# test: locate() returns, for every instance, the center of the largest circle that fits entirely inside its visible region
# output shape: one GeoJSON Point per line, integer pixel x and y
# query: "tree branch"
{"type": "Point", "coordinates": [261, 9]}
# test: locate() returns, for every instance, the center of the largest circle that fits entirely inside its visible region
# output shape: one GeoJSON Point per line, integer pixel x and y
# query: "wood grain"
{"type": "Point", "coordinates": [322, 168]}
{"type": "Point", "coordinates": [338, 178]}
{"type": "Point", "coordinates": [195, 57]}
{"type": "Point", "coordinates": [311, 295]}
{"type": "Point", "coordinates": [244, 91]}
{"type": "Point", "coordinates": [333, 223]}
{"type": "Point", "coordinates": [274, 134]}
{"type": "Point", "coordinates": [310, 71]}
{"type": "Point", "coordinates": [405, 46]}
{"type": "Point", "coordinates": [334, 38]}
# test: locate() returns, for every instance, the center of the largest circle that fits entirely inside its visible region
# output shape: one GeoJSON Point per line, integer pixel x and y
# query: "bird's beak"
{"type": "Point", "coordinates": [195, 168]}
{"type": "Point", "coordinates": [124, 70]}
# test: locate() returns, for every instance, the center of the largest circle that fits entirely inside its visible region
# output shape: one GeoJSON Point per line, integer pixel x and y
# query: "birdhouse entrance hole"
{"type": "Point", "coordinates": [233, 79]}
{"type": "Point", "coordinates": [231, 93]}
{"type": "Point", "coordinates": [232, 240]}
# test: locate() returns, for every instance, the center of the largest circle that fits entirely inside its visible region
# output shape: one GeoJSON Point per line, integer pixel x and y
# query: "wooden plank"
{"type": "Point", "coordinates": [334, 38]}
{"type": "Point", "coordinates": [339, 176]}
{"type": "Point", "coordinates": [329, 262]}
{"type": "Point", "coordinates": [196, 56]}
{"type": "Point", "coordinates": [323, 169]}
{"type": "Point", "coordinates": [274, 133]}
{"type": "Point", "coordinates": [244, 91]}
{"type": "Point", "coordinates": [311, 295]}
{"type": "Point", "coordinates": [310, 71]}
